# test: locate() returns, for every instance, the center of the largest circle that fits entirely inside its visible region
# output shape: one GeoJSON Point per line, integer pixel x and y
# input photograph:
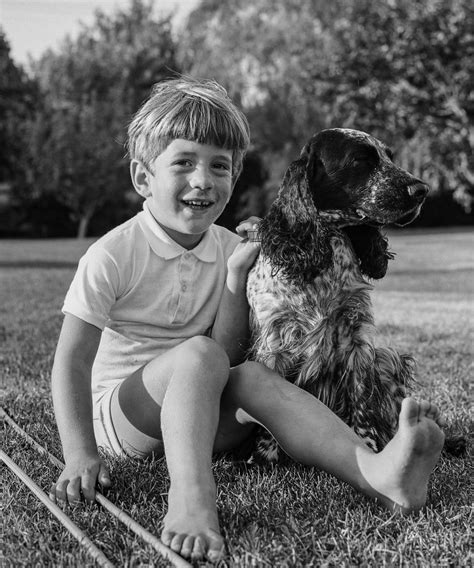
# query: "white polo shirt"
{"type": "Point", "coordinates": [146, 293]}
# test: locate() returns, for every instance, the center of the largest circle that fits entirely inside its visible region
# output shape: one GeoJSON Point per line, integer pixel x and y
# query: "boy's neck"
{"type": "Point", "coordinates": [186, 241]}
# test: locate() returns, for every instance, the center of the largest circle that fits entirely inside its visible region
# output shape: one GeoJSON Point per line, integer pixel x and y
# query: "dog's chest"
{"type": "Point", "coordinates": [269, 292]}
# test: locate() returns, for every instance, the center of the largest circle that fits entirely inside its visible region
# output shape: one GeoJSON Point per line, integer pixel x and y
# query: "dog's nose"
{"type": "Point", "coordinates": [418, 190]}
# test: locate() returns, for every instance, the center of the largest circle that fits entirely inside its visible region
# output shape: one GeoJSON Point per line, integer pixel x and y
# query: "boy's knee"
{"type": "Point", "coordinates": [255, 376]}
{"type": "Point", "coordinates": [205, 351]}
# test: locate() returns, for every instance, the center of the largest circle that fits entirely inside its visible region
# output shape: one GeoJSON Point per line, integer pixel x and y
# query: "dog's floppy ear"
{"type": "Point", "coordinates": [371, 247]}
{"type": "Point", "coordinates": [293, 235]}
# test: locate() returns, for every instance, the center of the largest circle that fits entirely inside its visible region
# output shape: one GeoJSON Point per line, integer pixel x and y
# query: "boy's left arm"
{"type": "Point", "coordinates": [231, 327]}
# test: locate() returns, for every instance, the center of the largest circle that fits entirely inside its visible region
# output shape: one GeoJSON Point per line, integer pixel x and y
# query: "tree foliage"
{"type": "Point", "coordinates": [407, 69]}
{"type": "Point", "coordinates": [266, 54]}
{"type": "Point", "coordinates": [17, 96]}
{"type": "Point", "coordinates": [400, 69]}
{"type": "Point", "coordinates": [90, 89]}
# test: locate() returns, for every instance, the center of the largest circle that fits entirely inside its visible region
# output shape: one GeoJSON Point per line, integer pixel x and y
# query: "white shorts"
{"type": "Point", "coordinates": [104, 430]}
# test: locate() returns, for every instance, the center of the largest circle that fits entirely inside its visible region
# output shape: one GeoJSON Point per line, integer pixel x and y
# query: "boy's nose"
{"type": "Point", "coordinates": [201, 179]}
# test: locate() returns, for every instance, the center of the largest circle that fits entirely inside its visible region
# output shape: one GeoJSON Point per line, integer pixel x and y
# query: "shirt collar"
{"type": "Point", "coordinates": [165, 247]}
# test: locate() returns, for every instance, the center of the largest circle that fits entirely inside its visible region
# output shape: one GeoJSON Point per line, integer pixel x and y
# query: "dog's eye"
{"type": "Point", "coordinates": [359, 161]}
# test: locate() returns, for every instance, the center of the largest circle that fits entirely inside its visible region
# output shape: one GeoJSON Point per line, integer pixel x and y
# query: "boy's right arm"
{"type": "Point", "coordinates": [71, 388]}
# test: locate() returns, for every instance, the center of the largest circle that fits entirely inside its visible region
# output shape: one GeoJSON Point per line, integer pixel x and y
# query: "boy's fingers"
{"type": "Point", "coordinates": [73, 491]}
{"type": "Point", "coordinates": [104, 477]}
{"type": "Point", "coordinates": [250, 224]}
{"type": "Point", "coordinates": [250, 220]}
{"type": "Point", "coordinates": [253, 237]}
{"type": "Point", "coordinates": [88, 487]}
{"type": "Point", "coordinates": [61, 495]}
{"type": "Point", "coordinates": [243, 227]}
{"type": "Point", "coordinates": [52, 492]}
{"type": "Point", "coordinates": [250, 234]}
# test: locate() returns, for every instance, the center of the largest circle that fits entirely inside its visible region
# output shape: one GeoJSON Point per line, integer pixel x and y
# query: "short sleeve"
{"type": "Point", "coordinates": [94, 289]}
{"type": "Point", "coordinates": [228, 240]}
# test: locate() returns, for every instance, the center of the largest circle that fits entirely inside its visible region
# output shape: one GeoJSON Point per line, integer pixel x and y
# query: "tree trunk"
{"type": "Point", "coordinates": [83, 226]}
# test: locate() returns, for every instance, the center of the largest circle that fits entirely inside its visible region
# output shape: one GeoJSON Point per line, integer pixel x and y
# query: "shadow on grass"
{"type": "Point", "coordinates": [426, 272]}
{"type": "Point", "coordinates": [37, 264]}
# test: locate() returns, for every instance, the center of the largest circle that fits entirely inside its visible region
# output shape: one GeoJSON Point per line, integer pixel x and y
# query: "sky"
{"type": "Point", "coordinates": [32, 26]}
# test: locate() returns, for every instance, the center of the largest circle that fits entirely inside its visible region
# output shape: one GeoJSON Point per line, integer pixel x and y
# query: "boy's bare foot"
{"type": "Point", "coordinates": [191, 526]}
{"type": "Point", "coordinates": [398, 476]}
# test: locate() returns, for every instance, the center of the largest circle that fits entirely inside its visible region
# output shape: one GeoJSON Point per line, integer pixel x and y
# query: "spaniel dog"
{"type": "Point", "coordinates": [309, 294]}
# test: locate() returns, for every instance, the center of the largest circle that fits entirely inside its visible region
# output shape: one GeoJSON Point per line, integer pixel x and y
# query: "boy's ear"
{"type": "Point", "coordinates": [139, 175]}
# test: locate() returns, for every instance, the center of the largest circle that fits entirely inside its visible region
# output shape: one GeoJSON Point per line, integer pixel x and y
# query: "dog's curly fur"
{"type": "Point", "coordinates": [311, 314]}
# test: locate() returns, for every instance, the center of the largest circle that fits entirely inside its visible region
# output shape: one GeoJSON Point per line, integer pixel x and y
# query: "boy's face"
{"type": "Point", "coordinates": [190, 185]}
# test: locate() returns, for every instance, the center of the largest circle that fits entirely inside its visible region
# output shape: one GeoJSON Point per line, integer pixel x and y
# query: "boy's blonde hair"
{"type": "Point", "coordinates": [200, 111]}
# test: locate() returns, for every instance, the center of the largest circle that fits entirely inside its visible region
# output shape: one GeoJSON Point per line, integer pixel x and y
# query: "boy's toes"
{"type": "Point", "coordinates": [440, 420]}
{"type": "Point", "coordinates": [435, 414]}
{"type": "Point", "coordinates": [187, 546]}
{"type": "Point", "coordinates": [426, 409]}
{"type": "Point", "coordinates": [167, 537]}
{"type": "Point", "coordinates": [409, 411]}
{"type": "Point", "coordinates": [214, 555]}
{"type": "Point", "coordinates": [196, 548]}
{"type": "Point", "coordinates": [216, 549]}
{"type": "Point", "coordinates": [431, 411]}
{"type": "Point", "coordinates": [177, 542]}
{"type": "Point", "coordinates": [199, 549]}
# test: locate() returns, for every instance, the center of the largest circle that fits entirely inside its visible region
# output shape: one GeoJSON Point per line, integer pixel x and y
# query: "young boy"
{"type": "Point", "coordinates": [156, 322]}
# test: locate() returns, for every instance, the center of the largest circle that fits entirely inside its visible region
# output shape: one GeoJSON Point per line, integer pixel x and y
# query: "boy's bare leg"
{"type": "Point", "coordinates": [175, 400]}
{"type": "Point", "coordinates": [184, 387]}
{"type": "Point", "coordinates": [310, 433]}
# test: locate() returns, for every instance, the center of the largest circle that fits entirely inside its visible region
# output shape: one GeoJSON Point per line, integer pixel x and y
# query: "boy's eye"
{"type": "Point", "coordinates": [222, 166]}
{"type": "Point", "coordinates": [184, 163]}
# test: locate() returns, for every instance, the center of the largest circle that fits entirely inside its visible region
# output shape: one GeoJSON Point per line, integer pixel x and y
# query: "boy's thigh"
{"type": "Point", "coordinates": [136, 404]}
{"type": "Point", "coordinates": [135, 408]}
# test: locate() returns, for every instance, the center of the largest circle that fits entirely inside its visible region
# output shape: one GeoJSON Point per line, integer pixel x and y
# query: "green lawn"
{"type": "Point", "coordinates": [275, 516]}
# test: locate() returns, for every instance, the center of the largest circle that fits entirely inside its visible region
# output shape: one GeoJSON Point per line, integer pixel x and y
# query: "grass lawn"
{"type": "Point", "coordinates": [273, 516]}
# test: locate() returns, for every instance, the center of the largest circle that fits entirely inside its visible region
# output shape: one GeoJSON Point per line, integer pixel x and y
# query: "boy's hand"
{"type": "Point", "coordinates": [247, 228]}
{"type": "Point", "coordinates": [246, 251]}
{"type": "Point", "coordinates": [79, 478]}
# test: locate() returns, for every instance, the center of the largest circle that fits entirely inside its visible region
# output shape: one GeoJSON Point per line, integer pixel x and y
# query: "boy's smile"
{"type": "Point", "coordinates": [187, 188]}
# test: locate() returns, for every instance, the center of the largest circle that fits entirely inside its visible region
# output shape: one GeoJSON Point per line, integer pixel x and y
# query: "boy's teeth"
{"type": "Point", "coordinates": [198, 203]}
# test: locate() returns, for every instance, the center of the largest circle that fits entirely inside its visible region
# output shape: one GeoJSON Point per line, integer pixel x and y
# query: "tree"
{"type": "Point", "coordinates": [400, 69]}
{"type": "Point", "coordinates": [264, 53]}
{"type": "Point", "coordinates": [90, 89]}
{"type": "Point", "coordinates": [267, 53]}
{"type": "Point", "coordinates": [17, 95]}
{"type": "Point", "coordinates": [405, 72]}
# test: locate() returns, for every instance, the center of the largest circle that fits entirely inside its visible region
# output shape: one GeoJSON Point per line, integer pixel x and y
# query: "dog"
{"type": "Point", "coordinates": [311, 315]}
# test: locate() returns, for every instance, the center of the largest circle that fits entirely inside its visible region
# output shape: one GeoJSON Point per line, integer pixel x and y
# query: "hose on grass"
{"type": "Point", "coordinates": [76, 532]}
{"type": "Point", "coordinates": [130, 523]}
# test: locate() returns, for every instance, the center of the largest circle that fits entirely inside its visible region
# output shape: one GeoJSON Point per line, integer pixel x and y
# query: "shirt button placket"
{"type": "Point", "coordinates": [185, 271]}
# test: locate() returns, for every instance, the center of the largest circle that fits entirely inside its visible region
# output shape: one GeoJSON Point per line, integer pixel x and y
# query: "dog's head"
{"type": "Point", "coordinates": [352, 172]}
{"type": "Point", "coordinates": [343, 180]}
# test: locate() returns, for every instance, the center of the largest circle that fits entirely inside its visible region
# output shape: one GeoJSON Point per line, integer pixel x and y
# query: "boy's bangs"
{"type": "Point", "coordinates": [206, 124]}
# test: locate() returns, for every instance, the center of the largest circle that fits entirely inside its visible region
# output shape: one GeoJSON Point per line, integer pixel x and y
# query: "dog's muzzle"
{"type": "Point", "coordinates": [418, 191]}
